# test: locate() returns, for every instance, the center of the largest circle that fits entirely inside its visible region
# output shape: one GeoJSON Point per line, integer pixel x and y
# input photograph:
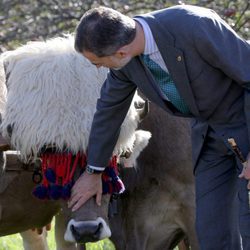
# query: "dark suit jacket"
{"type": "Point", "coordinates": [210, 65]}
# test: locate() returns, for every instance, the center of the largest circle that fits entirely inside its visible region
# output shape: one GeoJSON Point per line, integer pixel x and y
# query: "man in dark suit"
{"type": "Point", "coordinates": [189, 62]}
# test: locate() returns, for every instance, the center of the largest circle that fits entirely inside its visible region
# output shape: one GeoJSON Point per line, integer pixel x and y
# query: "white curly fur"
{"type": "Point", "coordinates": [51, 98]}
{"type": "Point", "coordinates": [141, 141]}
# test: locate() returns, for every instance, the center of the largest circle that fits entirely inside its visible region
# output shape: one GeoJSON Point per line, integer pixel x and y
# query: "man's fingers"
{"type": "Point", "coordinates": [80, 202]}
{"type": "Point", "coordinates": [98, 199]}
{"type": "Point", "coordinates": [241, 175]}
{"type": "Point", "coordinates": [245, 173]}
{"type": "Point", "coordinates": [85, 187]}
{"type": "Point", "coordinates": [74, 193]}
{"type": "Point", "coordinates": [74, 199]}
{"type": "Point", "coordinates": [76, 189]}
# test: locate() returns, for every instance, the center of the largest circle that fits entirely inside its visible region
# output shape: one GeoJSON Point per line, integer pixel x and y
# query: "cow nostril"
{"type": "Point", "coordinates": [75, 233]}
{"type": "Point", "coordinates": [86, 232]}
{"type": "Point", "coordinates": [99, 227]}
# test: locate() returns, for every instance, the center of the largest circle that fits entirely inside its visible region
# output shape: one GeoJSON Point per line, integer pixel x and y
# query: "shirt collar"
{"type": "Point", "coordinates": [150, 45]}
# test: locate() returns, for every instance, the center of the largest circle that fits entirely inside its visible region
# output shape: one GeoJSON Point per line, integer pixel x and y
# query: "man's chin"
{"type": "Point", "coordinates": [122, 64]}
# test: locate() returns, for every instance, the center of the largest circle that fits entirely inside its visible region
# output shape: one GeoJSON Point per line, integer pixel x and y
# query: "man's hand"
{"type": "Point", "coordinates": [87, 186]}
{"type": "Point", "coordinates": [246, 172]}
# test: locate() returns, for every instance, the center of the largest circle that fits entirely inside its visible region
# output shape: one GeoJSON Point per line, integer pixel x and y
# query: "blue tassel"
{"type": "Point", "coordinates": [81, 172]}
{"type": "Point", "coordinates": [55, 192]}
{"type": "Point", "coordinates": [113, 175]}
{"type": "Point", "coordinates": [105, 187]}
{"type": "Point", "coordinates": [41, 192]}
{"type": "Point", "coordinates": [66, 191]}
{"type": "Point", "coordinates": [50, 175]}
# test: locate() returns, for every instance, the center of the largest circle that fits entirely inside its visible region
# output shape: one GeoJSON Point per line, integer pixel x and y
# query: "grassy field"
{"type": "Point", "coordinates": [14, 242]}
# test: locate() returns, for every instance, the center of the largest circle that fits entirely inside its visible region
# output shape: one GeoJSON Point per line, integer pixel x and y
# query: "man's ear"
{"type": "Point", "coordinates": [123, 52]}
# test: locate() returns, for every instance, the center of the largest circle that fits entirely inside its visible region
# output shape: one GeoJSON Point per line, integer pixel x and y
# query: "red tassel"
{"type": "Point", "coordinates": [61, 163]}
{"type": "Point", "coordinates": [44, 167]}
{"type": "Point", "coordinates": [69, 159]}
{"type": "Point", "coordinates": [74, 166]}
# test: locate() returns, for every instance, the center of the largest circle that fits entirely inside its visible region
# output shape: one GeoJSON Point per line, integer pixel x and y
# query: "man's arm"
{"type": "Point", "coordinates": [112, 106]}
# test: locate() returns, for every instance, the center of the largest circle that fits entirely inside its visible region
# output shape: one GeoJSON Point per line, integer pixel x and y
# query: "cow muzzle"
{"type": "Point", "coordinates": [87, 231]}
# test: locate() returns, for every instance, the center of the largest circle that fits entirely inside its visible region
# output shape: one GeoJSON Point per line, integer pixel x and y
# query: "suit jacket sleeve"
{"type": "Point", "coordinates": [222, 48]}
{"type": "Point", "coordinates": [116, 96]}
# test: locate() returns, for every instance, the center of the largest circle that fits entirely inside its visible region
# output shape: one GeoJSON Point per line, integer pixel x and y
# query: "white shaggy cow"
{"type": "Point", "coordinates": [48, 95]}
{"type": "Point", "coordinates": [52, 93]}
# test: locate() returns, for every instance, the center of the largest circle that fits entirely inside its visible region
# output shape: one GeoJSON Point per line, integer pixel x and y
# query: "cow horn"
{"type": "Point", "coordinates": [143, 108]}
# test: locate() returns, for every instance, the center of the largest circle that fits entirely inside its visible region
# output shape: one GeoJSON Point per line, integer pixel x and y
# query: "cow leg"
{"type": "Point", "coordinates": [183, 245]}
{"type": "Point", "coordinates": [191, 238]}
{"type": "Point", "coordinates": [32, 240]}
{"type": "Point", "coordinates": [60, 227]}
{"type": "Point", "coordinates": [190, 230]}
{"type": "Point", "coordinates": [188, 220]}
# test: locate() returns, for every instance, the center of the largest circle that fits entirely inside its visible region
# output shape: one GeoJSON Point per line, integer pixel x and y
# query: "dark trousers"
{"type": "Point", "coordinates": [222, 209]}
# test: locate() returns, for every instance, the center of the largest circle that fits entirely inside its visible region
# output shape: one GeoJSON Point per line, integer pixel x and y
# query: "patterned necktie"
{"type": "Point", "coordinates": [166, 84]}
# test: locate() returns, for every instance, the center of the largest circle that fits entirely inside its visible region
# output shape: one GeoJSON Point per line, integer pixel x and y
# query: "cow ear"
{"type": "Point", "coordinates": [141, 141]}
{"type": "Point", "coordinates": [142, 107]}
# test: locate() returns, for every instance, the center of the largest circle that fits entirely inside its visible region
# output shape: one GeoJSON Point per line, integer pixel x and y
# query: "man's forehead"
{"type": "Point", "coordinates": [91, 56]}
{"type": "Point", "coordinates": [95, 60]}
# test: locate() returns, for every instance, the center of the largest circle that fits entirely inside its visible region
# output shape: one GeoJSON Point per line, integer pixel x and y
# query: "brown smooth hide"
{"type": "Point", "coordinates": [19, 210]}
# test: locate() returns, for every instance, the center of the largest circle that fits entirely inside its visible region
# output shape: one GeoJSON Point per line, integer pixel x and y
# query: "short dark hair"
{"type": "Point", "coordinates": [102, 31]}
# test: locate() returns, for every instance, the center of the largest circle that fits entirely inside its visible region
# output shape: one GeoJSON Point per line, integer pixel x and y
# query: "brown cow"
{"type": "Point", "coordinates": [47, 112]}
{"type": "Point", "coordinates": [20, 210]}
{"type": "Point", "coordinates": [158, 208]}
{"type": "Point", "coordinates": [50, 102]}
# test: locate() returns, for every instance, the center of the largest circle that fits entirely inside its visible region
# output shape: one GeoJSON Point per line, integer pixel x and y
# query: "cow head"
{"type": "Point", "coordinates": [50, 102]}
{"type": "Point", "coordinates": [89, 223]}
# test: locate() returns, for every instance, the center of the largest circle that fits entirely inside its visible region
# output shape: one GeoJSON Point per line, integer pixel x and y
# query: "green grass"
{"type": "Point", "coordinates": [14, 242]}
{"type": "Point", "coordinates": [101, 245]}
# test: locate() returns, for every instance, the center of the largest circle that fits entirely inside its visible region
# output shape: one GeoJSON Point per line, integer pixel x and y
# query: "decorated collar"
{"type": "Point", "coordinates": [58, 173]}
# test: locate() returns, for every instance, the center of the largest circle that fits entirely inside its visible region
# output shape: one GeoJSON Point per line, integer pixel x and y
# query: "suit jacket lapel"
{"type": "Point", "coordinates": [175, 63]}
{"type": "Point", "coordinates": [145, 82]}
